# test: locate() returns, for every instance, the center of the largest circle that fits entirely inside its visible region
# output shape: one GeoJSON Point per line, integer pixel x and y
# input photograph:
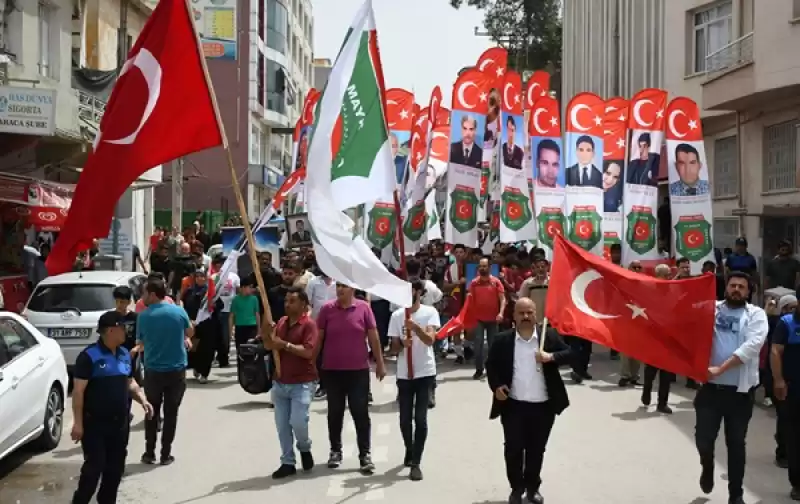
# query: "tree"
{"type": "Point", "coordinates": [529, 29]}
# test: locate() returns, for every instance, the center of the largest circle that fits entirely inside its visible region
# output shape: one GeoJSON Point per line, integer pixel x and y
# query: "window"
{"type": "Point", "coordinates": [780, 157]}
{"type": "Point", "coordinates": [713, 30]}
{"type": "Point", "coordinates": [796, 9]}
{"type": "Point", "coordinates": [261, 89]}
{"type": "Point", "coordinates": [77, 297]}
{"type": "Point", "coordinates": [14, 340]}
{"type": "Point", "coordinates": [276, 87]}
{"type": "Point", "coordinates": [48, 40]}
{"type": "Point", "coordinates": [277, 26]}
{"type": "Point", "coordinates": [255, 145]}
{"type": "Point", "coordinates": [725, 230]}
{"type": "Point", "coordinates": [261, 20]}
{"type": "Point", "coordinates": [262, 142]}
{"type": "Point", "coordinates": [726, 176]}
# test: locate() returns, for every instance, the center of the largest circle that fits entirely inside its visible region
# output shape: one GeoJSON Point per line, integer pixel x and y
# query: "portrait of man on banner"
{"type": "Point", "coordinates": [399, 139]}
{"type": "Point", "coordinates": [692, 178]}
{"type": "Point", "coordinates": [463, 149]}
{"type": "Point", "coordinates": [547, 171]}
{"type": "Point", "coordinates": [584, 172]}
{"type": "Point", "coordinates": [612, 185]}
{"type": "Point", "coordinates": [302, 149]}
{"type": "Point", "coordinates": [645, 159]}
{"type": "Point", "coordinates": [513, 154]}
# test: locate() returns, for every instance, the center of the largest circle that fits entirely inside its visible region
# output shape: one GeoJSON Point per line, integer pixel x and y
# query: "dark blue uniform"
{"type": "Point", "coordinates": [106, 421]}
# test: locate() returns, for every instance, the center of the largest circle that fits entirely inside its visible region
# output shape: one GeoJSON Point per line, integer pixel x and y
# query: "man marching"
{"type": "Point", "coordinates": [528, 394]}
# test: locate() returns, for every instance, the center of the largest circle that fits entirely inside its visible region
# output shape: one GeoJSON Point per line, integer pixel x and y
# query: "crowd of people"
{"type": "Point", "coordinates": [329, 336]}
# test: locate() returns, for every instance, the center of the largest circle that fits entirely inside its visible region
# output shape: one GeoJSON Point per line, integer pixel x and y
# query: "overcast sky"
{"type": "Point", "coordinates": [424, 43]}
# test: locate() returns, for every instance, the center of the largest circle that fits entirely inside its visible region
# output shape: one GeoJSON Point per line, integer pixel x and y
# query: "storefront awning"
{"type": "Point", "coordinates": [42, 204]}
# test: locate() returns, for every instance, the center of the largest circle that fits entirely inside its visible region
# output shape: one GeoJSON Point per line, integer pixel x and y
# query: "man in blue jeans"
{"type": "Point", "coordinates": [295, 337]}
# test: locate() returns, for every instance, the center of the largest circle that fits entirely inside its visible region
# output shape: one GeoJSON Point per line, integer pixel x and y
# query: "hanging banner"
{"type": "Point", "coordinates": [468, 118]}
{"type": "Point", "coordinates": [548, 171]}
{"type": "Point", "coordinates": [640, 192]}
{"type": "Point", "coordinates": [583, 192]}
{"type": "Point", "coordinates": [615, 135]}
{"type": "Point", "coordinates": [516, 207]}
{"type": "Point", "coordinates": [537, 86]}
{"type": "Point", "coordinates": [494, 62]}
{"type": "Point", "coordinates": [689, 187]}
{"type": "Point", "coordinates": [300, 138]}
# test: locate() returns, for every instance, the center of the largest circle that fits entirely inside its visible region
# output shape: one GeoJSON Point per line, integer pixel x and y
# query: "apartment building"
{"type": "Point", "coordinates": [322, 69]}
{"type": "Point", "coordinates": [740, 64]}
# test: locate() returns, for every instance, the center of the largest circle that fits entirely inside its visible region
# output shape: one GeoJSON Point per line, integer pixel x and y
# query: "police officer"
{"type": "Point", "coordinates": [101, 402]}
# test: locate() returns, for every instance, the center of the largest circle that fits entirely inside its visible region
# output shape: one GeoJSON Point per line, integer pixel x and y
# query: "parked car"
{"type": "Point", "coordinates": [66, 307]}
{"type": "Point", "coordinates": [33, 386]}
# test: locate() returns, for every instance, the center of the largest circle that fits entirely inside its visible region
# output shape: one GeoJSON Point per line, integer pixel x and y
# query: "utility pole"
{"type": "Point", "coordinates": [122, 53]}
{"type": "Point", "coordinates": [177, 193]}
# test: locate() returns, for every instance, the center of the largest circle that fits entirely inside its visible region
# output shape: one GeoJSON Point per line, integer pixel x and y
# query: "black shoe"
{"type": "Point", "coordinates": [415, 474]}
{"type": "Point", "coordinates": [166, 460]}
{"type": "Point", "coordinates": [795, 494]}
{"type": "Point", "coordinates": [663, 408]}
{"type": "Point", "coordinates": [335, 459]}
{"type": "Point", "coordinates": [647, 396]}
{"type": "Point", "coordinates": [469, 353]}
{"type": "Point", "coordinates": [367, 468]}
{"type": "Point", "coordinates": [284, 471]}
{"type": "Point", "coordinates": [369, 398]}
{"type": "Point", "coordinates": [459, 360]}
{"type": "Point", "coordinates": [432, 399]}
{"type": "Point", "coordinates": [148, 458]}
{"type": "Point", "coordinates": [576, 377]}
{"type": "Point", "coordinates": [586, 376]}
{"type": "Point", "coordinates": [307, 461]}
{"type": "Point", "coordinates": [735, 500]}
{"type": "Point", "coordinates": [707, 479]}
{"type": "Point", "coordinates": [515, 498]}
{"type": "Point", "coordinates": [407, 459]}
{"type": "Point", "coordinates": [478, 375]}
{"type": "Point", "coordinates": [782, 462]}
{"type": "Point", "coordinates": [634, 382]}
{"type": "Point", "coordinates": [623, 382]}
{"type": "Point", "coordinates": [320, 393]}
{"type": "Point", "coordinates": [535, 497]}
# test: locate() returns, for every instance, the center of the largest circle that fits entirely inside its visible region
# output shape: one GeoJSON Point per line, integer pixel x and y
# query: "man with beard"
{"type": "Point", "coordinates": [489, 304]}
{"type": "Point", "coordinates": [277, 294]}
{"type": "Point", "coordinates": [740, 330]}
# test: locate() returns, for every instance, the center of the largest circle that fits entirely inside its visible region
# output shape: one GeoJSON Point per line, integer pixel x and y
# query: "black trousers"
{"type": "Point", "coordinates": [791, 416]}
{"type": "Point", "coordinates": [243, 334]}
{"type": "Point", "coordinates": [526, 428]}
{"type": "Point", "coordinates": [412, 398]}
{"type": "Point", "coordinates": [165, 388]}
{"type": "Point", "coordinates": [781, 429]}
{"type": "Point", "coordinates": [665, 379]}
{"type": "Point", "coordinates": [582, 351]}
{"type": "Point", "coordinates": [348, 389]}
{"type": "Point", "coordinates": [714, 404]}
{"type": "Point", "coordinates": [382, 311]}
{"type": "Point", "coordinates": [105, 447]}
{"type": "Point", "coordinates": [206, 342]}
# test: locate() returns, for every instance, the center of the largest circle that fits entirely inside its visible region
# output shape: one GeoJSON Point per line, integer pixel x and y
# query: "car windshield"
{"type": "Point", "coordinates": [81, 297]}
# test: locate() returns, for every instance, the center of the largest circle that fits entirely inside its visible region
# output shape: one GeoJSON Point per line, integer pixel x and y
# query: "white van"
{"type": "Point", "coordinates": [66, 307]}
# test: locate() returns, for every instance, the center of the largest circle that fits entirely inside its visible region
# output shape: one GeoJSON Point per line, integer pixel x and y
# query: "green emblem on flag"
{"type": "Point", "coordinates": [463, 209]}
{"type": "Point", "coordinates": [585, 229]}
{"type": "Point", "coordinates": [381, 225]}
{"type": "Point", "coordinates": [640, 234]}
{"type": "Point", "coordinates": [693, 237]}
{"type": "Point", "coordinates": [551, 223]}
{"type": "Point", "coordinates": [516, 212]}
{"type": "Point", "coordinates": [414, 224]}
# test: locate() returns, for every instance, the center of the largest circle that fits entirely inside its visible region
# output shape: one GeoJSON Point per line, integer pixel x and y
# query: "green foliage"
{"type": "Point", "coordinates": [529, 29]}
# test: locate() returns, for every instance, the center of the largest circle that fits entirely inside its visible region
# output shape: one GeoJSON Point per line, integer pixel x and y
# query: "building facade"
{"type": "Point", "coordinates": [322, 69]}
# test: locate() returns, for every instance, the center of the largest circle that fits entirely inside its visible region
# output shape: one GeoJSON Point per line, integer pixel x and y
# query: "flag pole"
{"type": "Point", "coordinates": [237, 191]}
{"type": "Point", "coordinates": [404, 275]}
{"type": "Point", "coordinates": [542, 336]}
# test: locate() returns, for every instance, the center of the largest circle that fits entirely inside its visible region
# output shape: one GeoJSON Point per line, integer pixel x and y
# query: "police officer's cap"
{"type": "Point", "coordinates": [110, 319]}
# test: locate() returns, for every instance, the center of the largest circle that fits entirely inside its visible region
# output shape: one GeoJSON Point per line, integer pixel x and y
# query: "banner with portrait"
{"type": "Point", "coordinates": [516, 208]}
{"type": "Point", "coordinates": [537, 86]}
{"type": "Point", "coordinates": [640, 191]}
{"type": "Point", "coordinates": [583, 191]}
{"type": "Point", "coordinates": [689, 186]}
{"type": "Point", "coordinates": [548, 171]}
{"type": "Point", "coordinates": [300, 139]}
{"type": "Point", "coordinates": [615, 136]}
{"type": "Point", "coordinates": [493, 62]}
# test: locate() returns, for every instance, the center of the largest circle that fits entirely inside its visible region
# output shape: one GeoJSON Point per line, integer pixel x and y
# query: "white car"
{"type": "Point", "coordinates": [67, 307]}
{"type": "Point", "coordinates": [33, 386]}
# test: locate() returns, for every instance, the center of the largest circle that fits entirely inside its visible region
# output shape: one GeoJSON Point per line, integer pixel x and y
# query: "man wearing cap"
{"type": "Point", "coordinates": [101, 402]}
{"type": "Point", "coordinates": [741, 259]}
{"type": "Point", "coordinates": [784, 269]}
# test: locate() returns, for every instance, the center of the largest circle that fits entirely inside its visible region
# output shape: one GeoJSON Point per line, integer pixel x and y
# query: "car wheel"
{"type": "Point", "coordinates": [53, 420]}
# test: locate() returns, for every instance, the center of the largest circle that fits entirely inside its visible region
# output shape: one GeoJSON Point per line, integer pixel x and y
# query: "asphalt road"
{"type": "Point", "coordinates": [604, 449]}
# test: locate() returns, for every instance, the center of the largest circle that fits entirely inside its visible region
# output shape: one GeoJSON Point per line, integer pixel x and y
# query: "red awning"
{"type": "Point", "coordinates": [42, 204]}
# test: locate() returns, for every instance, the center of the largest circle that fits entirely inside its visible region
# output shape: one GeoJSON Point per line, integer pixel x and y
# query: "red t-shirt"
{"type": "Point", "coordinates": [486, 298]}
{"type": "Point", "coordinates": [154, 239]}
{"type": "Point", "coordinates": [295, 369]}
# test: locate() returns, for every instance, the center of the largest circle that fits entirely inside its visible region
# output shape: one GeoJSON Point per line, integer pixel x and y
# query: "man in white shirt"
{"type": "Point", "coordinates": [740, 330]}
{"type": "Point", "coordinates": [225, 293]}
{"type": "Point", "coordinates": [320, 289]}
{"type": "Point", "coordinates": [413, 338]}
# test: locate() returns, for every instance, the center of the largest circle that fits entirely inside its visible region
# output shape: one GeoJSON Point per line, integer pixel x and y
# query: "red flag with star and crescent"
{"type": "Point", "coordinates": [668, 324]}
{"type": "Point", "coordinates": [161, 108]}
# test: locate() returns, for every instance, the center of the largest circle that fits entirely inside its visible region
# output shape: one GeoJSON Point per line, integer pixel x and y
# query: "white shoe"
{"type": "Point", "coordinates": [202, 379]}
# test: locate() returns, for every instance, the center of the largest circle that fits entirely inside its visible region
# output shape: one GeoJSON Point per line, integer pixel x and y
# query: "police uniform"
{"type": "Point", "coordinates": [106, 410]}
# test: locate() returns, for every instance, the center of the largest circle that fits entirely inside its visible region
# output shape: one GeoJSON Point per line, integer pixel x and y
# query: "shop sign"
{"type": "Point", "coordinates": [27, 111]}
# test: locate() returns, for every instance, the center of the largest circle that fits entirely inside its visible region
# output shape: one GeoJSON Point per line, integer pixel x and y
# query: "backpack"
{"type": "Point", "coordinates": [254, 368]}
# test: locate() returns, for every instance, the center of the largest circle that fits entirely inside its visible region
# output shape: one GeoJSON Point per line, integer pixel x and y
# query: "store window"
{"type": "Point", "coordinates": [276, 87]}
{"type": "Point", "coordinates": [277, 26]}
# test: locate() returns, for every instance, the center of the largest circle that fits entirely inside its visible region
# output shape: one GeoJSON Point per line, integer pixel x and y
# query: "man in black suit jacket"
{"type": "Point", "coordinates": [465, 151]}
{"type": "Point", "coordinates": [528, 403]}
{"type": "Point", "coordinates": [512, 154]}
{"type": "Point", "coordinates": [584, 172]}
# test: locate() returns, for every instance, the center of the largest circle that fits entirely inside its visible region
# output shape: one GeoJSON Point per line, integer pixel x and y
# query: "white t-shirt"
{"type": "Point", "coordinates": [228, 291]}
{"type": "Point", "coordinates": [319, 292]}
{"type": "Point", "coordinates": [422, 356]}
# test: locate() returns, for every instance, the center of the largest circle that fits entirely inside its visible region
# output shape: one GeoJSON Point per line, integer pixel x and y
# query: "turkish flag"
{"type": "Point", "coordinates": [464, 320]}
{"type": "Point", "coordinates": [665, 323]}
{"type": "Point", "coordinates": [161, 108]}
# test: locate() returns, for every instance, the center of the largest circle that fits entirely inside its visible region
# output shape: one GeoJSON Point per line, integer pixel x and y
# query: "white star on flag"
{"type": "Point", "coordinates": [622, 117]}
{"type": "Point", "coordinates": [637, 311]}
{"type": "Point", "coordinates": [660, 114]}
{"type": "Point", "coordinates": [553, 121]}
{"type": "Point", "coordinates": [483, 97]}
{"type": "Point", "coordinates": [404, 114]}
{"type": "Point", "coordinates": [620, 143]}
{"type": "Point", "coordinates": [500, 72]}
{"type": "Point", "coordinates": [516, 99]}
{"type": "Point", "coordinates": [598, 121]}
{"type": "Point", "coordinates": [693, 124]}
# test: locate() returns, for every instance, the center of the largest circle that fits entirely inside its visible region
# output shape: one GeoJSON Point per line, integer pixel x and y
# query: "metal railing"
{"type": "Point", "coordinates": [90, 112]}
{"type": "Point", "coordinates": [736, 53]}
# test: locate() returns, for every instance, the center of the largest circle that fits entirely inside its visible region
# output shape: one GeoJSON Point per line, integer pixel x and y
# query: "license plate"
{"type": "Point", "coordinates": [69, 333]}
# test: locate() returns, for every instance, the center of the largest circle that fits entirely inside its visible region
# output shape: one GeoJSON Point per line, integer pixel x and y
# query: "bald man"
{"type": "Point", "coordinates": [528, 394]}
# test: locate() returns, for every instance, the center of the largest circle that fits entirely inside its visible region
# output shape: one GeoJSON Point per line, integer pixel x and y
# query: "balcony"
{"type": "Point", "coordinates": [730, 76]}
{"type": "Point", "coordinates": [731, 57]}
{"type": "Point", "coordinates": [90, 113]}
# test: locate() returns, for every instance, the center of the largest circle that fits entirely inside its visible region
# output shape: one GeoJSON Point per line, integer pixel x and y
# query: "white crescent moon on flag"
{"type": "Point", "coordinates": [637, 109]}
{"type": "Point", "coordinates": [574, 116]}
{"type": "Point", "coordinates": [582, 229]}
{"type": "Point", "coordinates": [672, 128]}
{"type": "Point", "coordinates": [434, 153]}
{"type": "Point", "coordinates": [578, 294]}
{"type": "Point", "coordinates": [611, 108]}
{"type": "Point", "coordinates": [691, 239]}
{"type": "Point", "coordinates": [508, 102]}
{"type": "Point", "coordinates": [463, 87]}
{"type": "Point", "coordinates": [151, 70]}
{"type": "Point", "coordinates": [640, 231]}
{"type": "Point", "coordinates": [390, 102]}
{"type": "Point", "coordinates": [485, 62]}
{"type": "Point", "coordinates": [531, 98]}
{"type": "Point", "coordinates": [536, 125]}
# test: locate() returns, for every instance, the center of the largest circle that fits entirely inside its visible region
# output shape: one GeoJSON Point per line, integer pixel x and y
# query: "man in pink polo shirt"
{"type": "Point", "coordinates": [346, 325]}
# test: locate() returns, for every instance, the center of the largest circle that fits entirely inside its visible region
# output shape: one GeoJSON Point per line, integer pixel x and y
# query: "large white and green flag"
{"type": "Point", "coordinates": [350, 163]}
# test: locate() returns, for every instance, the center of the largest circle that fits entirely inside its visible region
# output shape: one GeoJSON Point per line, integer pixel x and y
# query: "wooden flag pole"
{"type": "Point", "coordinates": [404, 274]}
{"type": "Point", "coordinates": [542, 336]}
